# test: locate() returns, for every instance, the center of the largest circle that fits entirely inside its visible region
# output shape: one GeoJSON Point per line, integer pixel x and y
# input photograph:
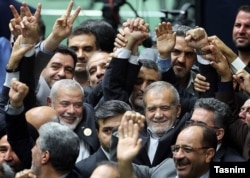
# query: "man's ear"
{"type": "Point", "coordinates": [45, 157]}
{"type": "Point", "coordinates": [210, 155]}
{"type": "Point", "coordinates": [49, 101]}
{"type": "Point", "coordinates": [178, 111]}
{"type": "Point", "coordinates": [220, 134]}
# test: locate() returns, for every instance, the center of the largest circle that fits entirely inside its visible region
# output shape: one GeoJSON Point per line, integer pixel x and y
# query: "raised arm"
{"type": "Point", "coordinates": [62, 28]}
{"type": "Point", "coordinates": [17, 128]}
{"type": "Point", "coordinates": [128, 147]}
{"type": "Point", "coordinates": [120, 77]}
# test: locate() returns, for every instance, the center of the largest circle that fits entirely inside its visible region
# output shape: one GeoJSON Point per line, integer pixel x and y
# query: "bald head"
{"type": "Point", "coordinates": [38, 116]}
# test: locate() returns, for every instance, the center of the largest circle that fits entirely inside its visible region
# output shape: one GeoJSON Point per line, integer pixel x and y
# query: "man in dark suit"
{"type": "Point", "coordinates": [20, 139]}
{"type": "Point", "coordinates": [67, 98]}
{"type": "Point", "coordinates": [193, 152]}
{"type": "Point", "coordinates": [160, 103]}
{"type": "Point", "coordinates": [216, 114]}
{"type": "Point", "coordinates": [108, 117]}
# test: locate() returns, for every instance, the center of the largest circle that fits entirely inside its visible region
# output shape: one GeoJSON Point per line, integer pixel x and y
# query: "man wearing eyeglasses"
{"type": "Point", "coordinates": [192, 153]}
{"type": "Point", "coordinates": [216, 114]}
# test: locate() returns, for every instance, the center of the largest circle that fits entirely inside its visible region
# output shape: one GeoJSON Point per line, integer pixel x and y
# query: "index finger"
{"type": "Point", "coordinates": [14, 12]}
{"type": "Point", "coordinates": [70, 6]}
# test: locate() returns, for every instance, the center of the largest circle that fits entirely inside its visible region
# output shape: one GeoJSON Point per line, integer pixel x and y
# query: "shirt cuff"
{"type": "Point", "coordinates": [164, 64]}
{"type": "Point", "coordinates": [237, 64]}
{"type": "Point", "coordinates": [13, 111]}
{"type": "Point", "coordinates": [29, 53]}
{"type": "Point", "coordinates": [9, 76]}
{"type": "Point", "coordinates": [133, 60]}
{"type": "Point", "coordinates": [123, 53]}
{"type": "Point", "coordinates": [203, 61]}
{"type": "Point", "coordinates": [42, 49]}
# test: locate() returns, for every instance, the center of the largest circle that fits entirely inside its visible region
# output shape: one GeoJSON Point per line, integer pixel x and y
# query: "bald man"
{"type": "Point", "coordinates": [38, 116]}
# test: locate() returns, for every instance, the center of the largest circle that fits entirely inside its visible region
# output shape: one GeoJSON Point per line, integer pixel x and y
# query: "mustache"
{"type": "Point", "coordinates": [182, 161]}
{"type": "Point", "coordinates": [179, 64]}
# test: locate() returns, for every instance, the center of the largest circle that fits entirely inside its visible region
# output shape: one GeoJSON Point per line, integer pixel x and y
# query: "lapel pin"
{"type": "Point", "coordinates": [87, 132]}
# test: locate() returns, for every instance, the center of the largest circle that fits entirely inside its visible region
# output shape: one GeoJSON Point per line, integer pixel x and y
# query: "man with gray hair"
{"type": "Point", "coordinates": [55, 151]}
{"type": "Point", "coordinates": [217, 115]}
{"type": "Point", "coordinates": [67, 98]}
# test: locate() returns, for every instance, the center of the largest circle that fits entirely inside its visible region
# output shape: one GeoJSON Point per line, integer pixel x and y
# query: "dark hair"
{"type": "Point", "coordinates": [222, 112]}
{"type": "Point", "coordinates": [109, 109]}
{"type": "Point", "coordinates": [66, 50]}
{"type": "Point", "coordinates": [105, 33]}
{"type": "Point", "coordinates": [181, 29]}
{"type": "Point", "coordinates": [83, 30]}
{"type": "Point", "coordinates": [245, 8]}
{"type": "Point", "coordinates": [150, 64]}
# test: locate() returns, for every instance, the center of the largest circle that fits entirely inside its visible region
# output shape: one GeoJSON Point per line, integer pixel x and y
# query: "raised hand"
{"type": "Point", "coordinates": [219, 62]}
{"type": "Point", "coordinates": [197, 38]}
{"type": "Point", "coordinates": [200, 84]}
{"type": "Point", "coordinates": [165, 39]}
{"type": "Point", "coordinates": [135, 117]}
{"type": "Point", "coordinates": [135, 32]}
{"type": "Point", "coordinates": [62, 28]}
{"type": "Point", "coordinates": [227, 52]}
{"type": "Point", "coordinates": [30, 27]}
{"type": "Point", "coordinates": [27, 173]}
{"type": "Point", "coordinates": [120, 40]}
{"type": "Point", "coordinates": [17, 53]}
{"type": "Point", "coordinates": [129, 143]}
{"type": "Point", "coordinates": [17, 93]}
{"type": "Point", "coordinates": [16, 20]}
{"type": "Point", "coordinates": [18, 26]}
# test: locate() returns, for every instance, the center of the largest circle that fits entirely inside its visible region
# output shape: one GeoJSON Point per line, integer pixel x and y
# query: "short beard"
{"type": "Point", "coordinates": [73, 125]}
{"type": "Point", "coordinates": [81, 73]}
{"type": "Point", "coordinates": [245, 48]}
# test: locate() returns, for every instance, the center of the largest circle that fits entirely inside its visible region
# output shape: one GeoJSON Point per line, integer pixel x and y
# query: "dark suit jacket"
{"type": "Point", "coordinates": [238, 131]}
{"type": "Point", "coordinates": [88, 121]}
{"type": "Point", "coordinates": [228, 154]}
{"type": "Point", "coordinates": [163, 150]}
{"type": "Point", "coordinates": [19, 136]}
{"type": "Point", "coordinates": [87, 166]}
{"type": "Point", "coordinates": [74, 173]}
{"type": "Point", "coordinates": [119, 79]}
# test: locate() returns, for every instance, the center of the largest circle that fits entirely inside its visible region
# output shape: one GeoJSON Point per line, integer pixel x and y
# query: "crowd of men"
{"type": "Point", "coordinates": [94, 108]}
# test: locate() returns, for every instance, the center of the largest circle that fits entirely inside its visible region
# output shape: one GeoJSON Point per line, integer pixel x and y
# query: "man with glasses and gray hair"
{"type": "Point", "coordinates": [193, 153]}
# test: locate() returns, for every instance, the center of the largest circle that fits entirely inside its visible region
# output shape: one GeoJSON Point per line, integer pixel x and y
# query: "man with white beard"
{"type": "Point", "coordinates": [67, 98]}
